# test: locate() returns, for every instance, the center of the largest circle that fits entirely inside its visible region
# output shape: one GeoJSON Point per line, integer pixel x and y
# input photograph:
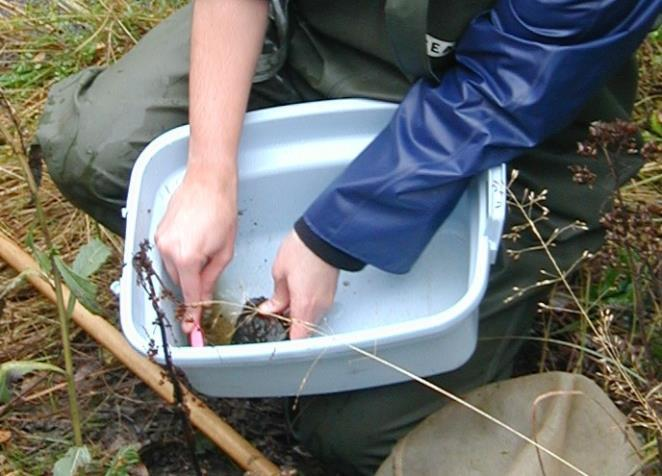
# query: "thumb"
{"type": "Point", "coordinates": [279, 301]}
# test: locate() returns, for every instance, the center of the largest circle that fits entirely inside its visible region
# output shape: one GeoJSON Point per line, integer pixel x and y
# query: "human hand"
{"type": "Point", "coordinates": [304, 283]}
{"type": "Point", "coordinates": [196, 239]}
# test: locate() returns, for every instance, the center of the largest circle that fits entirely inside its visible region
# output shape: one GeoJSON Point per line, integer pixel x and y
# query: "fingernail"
{"type": "Point", "coordinates": [265, 307]}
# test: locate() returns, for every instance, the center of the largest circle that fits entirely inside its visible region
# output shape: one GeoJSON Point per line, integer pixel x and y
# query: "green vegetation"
{"type": "Point", "coordinates": [606, 322]}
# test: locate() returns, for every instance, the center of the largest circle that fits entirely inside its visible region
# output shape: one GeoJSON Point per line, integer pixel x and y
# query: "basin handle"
{"type": "Point", "coordinates": [496, 208]}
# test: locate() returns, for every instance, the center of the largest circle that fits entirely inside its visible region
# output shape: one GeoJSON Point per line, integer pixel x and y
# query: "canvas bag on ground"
{"type": "Point", "coordinates": [573, 417]}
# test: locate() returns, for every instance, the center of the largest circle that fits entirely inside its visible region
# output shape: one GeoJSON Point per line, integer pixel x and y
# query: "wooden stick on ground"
{"type": "Point", "coordinates": [208, 422]}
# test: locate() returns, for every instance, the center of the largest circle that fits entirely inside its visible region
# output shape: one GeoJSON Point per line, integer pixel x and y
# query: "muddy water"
{"type": "Point", "coordinates": [218, 325]}
{"type": "Point", "coordinates": [222, 326]}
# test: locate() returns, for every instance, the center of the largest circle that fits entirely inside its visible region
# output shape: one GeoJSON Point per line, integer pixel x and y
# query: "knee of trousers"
{"type": "Point", "coordinates": [90, 168]}
{"type": "Point", "coordinates": [343, 441]}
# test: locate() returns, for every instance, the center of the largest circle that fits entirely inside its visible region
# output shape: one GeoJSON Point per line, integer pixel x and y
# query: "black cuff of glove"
{"type": "Point", "coordinates": [329, 253]}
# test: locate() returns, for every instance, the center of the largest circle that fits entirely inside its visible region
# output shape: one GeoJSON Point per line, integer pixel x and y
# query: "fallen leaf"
{"type": "Point", "coordinates": [90, 258]}
{"type": "Point", "coordinates": [77, 458]}
{"type": "Point", "coordinates": [5, 436]}
{"type": "Point", "coordinates": [15, 369]}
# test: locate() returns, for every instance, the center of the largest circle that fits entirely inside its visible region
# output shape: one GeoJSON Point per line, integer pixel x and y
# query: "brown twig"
{"type": "Point", "coordinates": [208, 422]}
{"type": "Point", "coordinates": [143, 266]}
{"type": "Point", "coordinates": [610, 351]}
{"type": "Point", "coordinates": [575, 393]}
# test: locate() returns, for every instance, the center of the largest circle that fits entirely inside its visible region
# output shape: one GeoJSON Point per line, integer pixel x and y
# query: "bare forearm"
{"type": "Point", "coordinates": [226, 40]}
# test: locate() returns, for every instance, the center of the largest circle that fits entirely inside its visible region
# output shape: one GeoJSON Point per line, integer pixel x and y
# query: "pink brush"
{"type": "Point", "coordinates": [196, 337]}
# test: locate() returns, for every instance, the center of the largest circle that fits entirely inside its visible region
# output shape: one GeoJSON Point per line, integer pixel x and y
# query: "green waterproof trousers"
{"type": "Point", "coordinates": [97, 122]}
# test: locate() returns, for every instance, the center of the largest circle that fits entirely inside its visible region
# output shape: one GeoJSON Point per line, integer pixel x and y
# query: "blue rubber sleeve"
{"type": "Point", "coordinates": [523, 71]}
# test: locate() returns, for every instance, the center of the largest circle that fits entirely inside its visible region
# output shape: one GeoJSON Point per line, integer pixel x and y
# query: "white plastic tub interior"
{"type": "Point", "coordinates": [424, 321]}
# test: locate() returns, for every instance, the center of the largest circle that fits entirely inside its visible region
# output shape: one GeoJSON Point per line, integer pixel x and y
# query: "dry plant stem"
{"type": "Point", "coordinates": [590, 352]}
{"type": "Point", "coordinates": [637, 302]}
{"type": "Point", "coordinates": [8, 6]}
{"type": "Point", "coordinates": [573, 393]}
{"type": "Point", "coordinates": [143, 267]}
{"type": "Point", "coordinates": [545, 347]}
{"type": "Point", "coordinates": [471, 407]}
{"type": "Point", "coordinates": [534, 422]}
{"type": "Point", "coordinates": [583, 328]}
{"type": "Point", "coordinates": [445, 393]}
{"type": "Point", "coordinates": [534, 229]}
{"type": "Point", "coordinates": [208, 422]}
{"type": "Point", "coordinates": [22, 154]}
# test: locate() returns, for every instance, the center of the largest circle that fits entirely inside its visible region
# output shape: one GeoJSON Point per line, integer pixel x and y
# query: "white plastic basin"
{"type": "Point", "coordinates": [425, 321]}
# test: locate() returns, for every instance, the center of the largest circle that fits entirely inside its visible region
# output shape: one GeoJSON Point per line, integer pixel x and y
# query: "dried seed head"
{"type": "Point", "coordinates": [582, 175]}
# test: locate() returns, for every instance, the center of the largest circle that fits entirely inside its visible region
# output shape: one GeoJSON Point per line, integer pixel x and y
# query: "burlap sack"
{"type": "Point", "coordinates": [567, 413]}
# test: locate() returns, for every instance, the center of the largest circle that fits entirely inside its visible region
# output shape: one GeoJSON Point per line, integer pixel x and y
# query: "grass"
{"type": "Point", "coordinates": [618, 291]}
{"type": "Point", "coordinates": [41, 43]}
